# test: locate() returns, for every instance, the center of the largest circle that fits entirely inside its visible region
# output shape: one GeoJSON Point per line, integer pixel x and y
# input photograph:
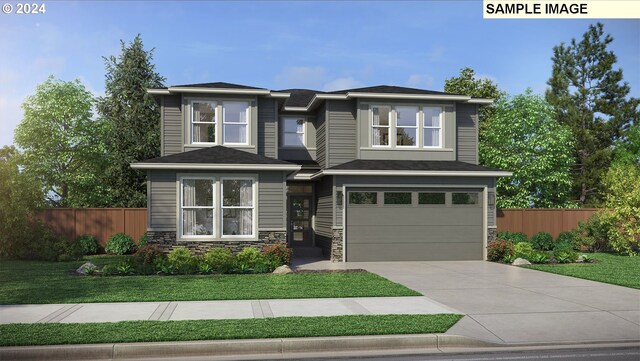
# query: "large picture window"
{"type": "Point", "coordinates": [380, 125]}
{"type": "Point", "coordinates": [293, 132]}
{"type": "Point", "coordinates": [237, 207]}
{"type": "Point", "coordinates": [406, 126]}
{"type": "Point", "coordinates": [203, 122]}
{"type": "Point", "coordinates": [432, 127]}
{"type": "Point", "coordinates": [235, 119]}
{"type": "Point", "coordinates": [197, 207]}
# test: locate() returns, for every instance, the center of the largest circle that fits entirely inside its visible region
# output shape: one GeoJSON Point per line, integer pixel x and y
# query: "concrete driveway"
{"type": "Point", "coordinates": [508, 304]}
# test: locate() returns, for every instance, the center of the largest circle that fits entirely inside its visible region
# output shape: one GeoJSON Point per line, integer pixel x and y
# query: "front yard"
{"type": "Point", "coordinates": [608, 268]}
{"type": "Point", "coordinates": [25, 282]}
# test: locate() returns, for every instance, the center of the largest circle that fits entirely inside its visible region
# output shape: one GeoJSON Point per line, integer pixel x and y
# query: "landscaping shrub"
{"type": "Point", "coordinates": [594, 232]}
{"type": "Point", "coordinates": [514, 237]}
{"type": "Point", "coordinates": [246, 259]}
{"type": "Point", "coordinates": [265, 264]}
{"type": "Point", "coordinates": [279, 252]}
{"type": "Point", "coordinates": [109, 270]}
{"type": "Point", "coordinates": [181, 260]}
{"type": "Point", "coordinates": [542, 241]}
{"type": "Point", "coordinates": [89, 244]}
{"type": "Point", "coordinates": [120, 244]}
{"type": "Point", "coordinates": [219, 259]}
{"type": "Point", "coordinates": [68, 250]}
{"type": "Point", "coordinates": [539, 257]}
{"type": "Point", "coordinates": [499, 250]}
{"type": "Point", "coordinates": [623, 208]}
{"type": "Point", "coordinates": [572, 237]}
{"type": "Point", "coordinates": [143, 241]}
{"type": "Point", "coordinates": [564, 253]}
{"type": "Point", "coordinates": [146, 258]}
{"type": "Point", "coordinates": [523, 250]}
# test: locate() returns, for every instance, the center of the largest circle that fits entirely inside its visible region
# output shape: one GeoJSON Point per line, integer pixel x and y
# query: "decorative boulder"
{"type": "Point", "coordinates": [282, 270]}
{"type": "Point", "coordinates": [580, 259]}
{"type": "Point", "coordinates": [520, 262]}
{"type": "Point", "coordinates": [86, 269]}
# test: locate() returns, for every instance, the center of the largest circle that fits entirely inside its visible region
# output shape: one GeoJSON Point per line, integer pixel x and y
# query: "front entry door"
{"type": "Point", "coordinates": [300, 221]}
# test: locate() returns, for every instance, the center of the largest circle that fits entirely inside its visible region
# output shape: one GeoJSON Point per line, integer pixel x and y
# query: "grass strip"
{"type": "Point", "coordinates": [22, 334]}
{"type": "Point", "coordinates": [607, 268]}
{"type": "Point", "coordinates": [30, 282]}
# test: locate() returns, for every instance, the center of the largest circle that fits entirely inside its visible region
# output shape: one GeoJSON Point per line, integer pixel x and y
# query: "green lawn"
{"type": "Point", "coordinates": [23, 282]}
{"type": "Point", "coordinates": [153, 331]}
{"type": "Point", "coordinates": [608, 268]}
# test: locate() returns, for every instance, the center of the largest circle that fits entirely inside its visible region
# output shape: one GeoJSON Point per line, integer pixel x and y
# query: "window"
{"type": "Point", "coordinates": [237, 207]}
{"type": "Point", "coordinates": [432, 127]}
{"type": "Point", "coordinates": [203, 122]}
{"type": "Point", "coordinates": [380, 125]}
{"type": "Point", "coordinates": [397, 197]}
{"type": "Point", "coordinates": [464, 198]}
{"type": "Point", "coordinates": [300, 188]}
{"type": "Point", "coordinates": [235, 119]}
{"type": "Point", "coordinates": [406, 126]}
{"type": "Point", "coordinates": [363, 197]}
{"type": "Point", "coordinates": [431, 198]}
{"type": "Point", "coordinates": [197, 207]}
{"type": "Point", "coordinates": [293, 132]}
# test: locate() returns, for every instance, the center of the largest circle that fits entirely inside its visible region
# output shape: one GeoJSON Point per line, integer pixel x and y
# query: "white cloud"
{"type": "Point", "coordinates": [342, 83]}
{"type": "Point", "coordinates": [301, 77]}
{"type": "Point", "coordinates": [419, 80]}
{"type": "Point", "coordinates": [436, 54]}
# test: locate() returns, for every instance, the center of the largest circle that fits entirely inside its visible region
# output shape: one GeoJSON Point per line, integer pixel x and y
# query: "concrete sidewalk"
{"type": "Point", "coordinates": [211, 310]}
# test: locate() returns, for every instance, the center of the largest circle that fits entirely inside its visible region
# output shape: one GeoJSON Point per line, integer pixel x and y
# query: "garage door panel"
{"type": "Point", "coordinates": [413, 234]}
{"type": "Point", "coordinates": [415, 252]}
{"type": "Point", "coordinates": [401, 216]}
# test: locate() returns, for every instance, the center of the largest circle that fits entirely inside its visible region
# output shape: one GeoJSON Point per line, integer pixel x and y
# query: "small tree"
{"type": "Point", "coordinates": [62, 143]}
{"type": "Point", "coordinates": [524, 138]}
{"type": "Point", "coordinates": [622, 183]}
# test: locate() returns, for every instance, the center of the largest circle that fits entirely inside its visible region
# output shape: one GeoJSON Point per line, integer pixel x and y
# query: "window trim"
{"type": "Point", "coordinates": [192, 121]}
{"type": "Point", "coordinates": [254, 219]}
{"type": "Point", "coordinates": [213, 207]}
{"type": "Point", "coordinates": [372, 126]}
{"type": "Point", "coordinates": [246, 124]}
{"type": "Point", "coordinates": [283, 132]}
{"type": "Point", "coordinates": [416, 127]}
{"type": "Point", "coordinates": [441, 127]}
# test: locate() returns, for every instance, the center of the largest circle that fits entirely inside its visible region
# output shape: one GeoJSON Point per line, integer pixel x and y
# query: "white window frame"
{"type": "Point", "coordinates": [304, 132]}
{"type": "Point", "coordinates": [213, 207]}
{"type": "Point", "coordinates": [254, 221]}
{"type": "Point", "coordinates": [389, 127]}
{"type": "Point", "coordinates": [441, 127]}
{"type": "Point", "coordinates": [416, 126]}
{"type": "Point", "coordinates": [247, 123]}
{"type": "Point", "coordinates": [214, 103]}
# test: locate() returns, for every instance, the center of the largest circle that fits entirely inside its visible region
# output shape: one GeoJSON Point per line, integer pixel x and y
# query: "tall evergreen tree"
{"type": "Point", "coordinates": [133, 118]}
{"type": "Point", "coordinates": [591, 98]}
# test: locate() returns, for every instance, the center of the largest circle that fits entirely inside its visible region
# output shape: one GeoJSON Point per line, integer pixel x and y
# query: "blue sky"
{"type": "Point", "coordinates": [320, 45]}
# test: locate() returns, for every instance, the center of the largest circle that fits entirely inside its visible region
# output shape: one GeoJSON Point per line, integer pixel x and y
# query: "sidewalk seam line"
{"type": "Point", "coordinates": [485, 327]}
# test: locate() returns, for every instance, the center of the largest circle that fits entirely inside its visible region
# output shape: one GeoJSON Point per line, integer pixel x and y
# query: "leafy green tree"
{"type": "Point", "coordinates": [627, 148]}
{"type": "Point", "coordinates": [591, 98]}
{"type": "Point", "coordinates": [622, 183]}
{"type": "Point", "coordinates": [62, 143]}
{"type": "Point", "coordinates": [133, 119]}
{"type": "Point", "coordinates": [524, 138]}
{"type": "Point", "coordinates": [20, 197]}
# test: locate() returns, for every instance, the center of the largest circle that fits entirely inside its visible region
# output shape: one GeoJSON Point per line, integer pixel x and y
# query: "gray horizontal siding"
{"type": "Point", "coordinates": [267, 127]}
{"type": "Point", "coordinates": [172, 127]}
{"type": "Point", "coordinates": [321, 138]}
{"type": "Point", "coordinates": [467, 129]}
{"type": "Point", "coordinates": [341, 137]}
{"type": "Point", "coordinates": [324, 208]}
{"type": "Point", "coordinates": [271, 200]}
{"type": "Point", "coordinates": [163, 199]}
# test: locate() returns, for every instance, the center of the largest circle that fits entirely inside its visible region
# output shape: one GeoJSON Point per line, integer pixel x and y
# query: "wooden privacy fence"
{"type": "Point", "coordinates": [101, 223]}
{"type": "Point", "coordinates": [533, 220]}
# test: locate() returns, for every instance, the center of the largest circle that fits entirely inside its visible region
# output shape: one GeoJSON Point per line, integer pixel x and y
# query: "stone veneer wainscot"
{"type": "Point", "coordinates": [166, 240]}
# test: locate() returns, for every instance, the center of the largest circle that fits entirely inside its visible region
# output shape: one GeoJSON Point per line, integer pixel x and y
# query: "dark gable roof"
{"type": "Point", "coordinates": [417, 165]}
{"type": "Point", "coordinates": [390, 89]}
{"type": "Point", "coordinates": [218, 85]}
{"type": "Point", "coordinates": [216, 155]}
{"type": "Point", "coordinates": [299, 97]}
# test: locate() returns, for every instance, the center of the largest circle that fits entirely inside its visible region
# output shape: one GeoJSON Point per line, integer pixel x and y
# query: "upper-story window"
{"type": "Point", "coordinates": [293, 129]}
{"type": "Point", "coordinates": [407, 126]}
{"type": "Point", "coordinates": [235, 120]}
{"type": "Point", "coordinates": [203, 121]}
{"type": "Point", "coordinates": [432, 127]}
{"type": "Point", "coordinates": [380, 125]}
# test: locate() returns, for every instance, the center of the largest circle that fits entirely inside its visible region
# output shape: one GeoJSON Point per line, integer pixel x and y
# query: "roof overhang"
{"type": "Point", "coordinates": [218, 166]}
{"type": "Point", "coordinates": [173, 90]}
{"type": "Point", "coordinates": [417, 173]}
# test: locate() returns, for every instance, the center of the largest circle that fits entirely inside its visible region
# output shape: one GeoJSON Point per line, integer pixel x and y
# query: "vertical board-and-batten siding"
{"type": "Point", "coordinates": [467, 130]}
{"type": "Point", "coordinates": [341, 134]}
{"type": "Point", "coordinates": [267, 127]}
{"type": "Point", "coordinates": [163, 200]}
{"type": "Point", "coordinates": [172, 125]}
{"type": "Point", "coordinates": [321, 137]}
{"type": "Point", "coordinates": [271, 207]}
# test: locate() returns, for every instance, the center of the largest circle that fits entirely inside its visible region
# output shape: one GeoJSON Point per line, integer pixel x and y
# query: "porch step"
{"type": "Point", "coordinates": [307, 252]}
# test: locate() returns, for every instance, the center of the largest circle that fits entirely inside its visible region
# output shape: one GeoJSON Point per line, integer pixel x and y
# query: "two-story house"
{"type": "Point", "coordinates": [370, 174]}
